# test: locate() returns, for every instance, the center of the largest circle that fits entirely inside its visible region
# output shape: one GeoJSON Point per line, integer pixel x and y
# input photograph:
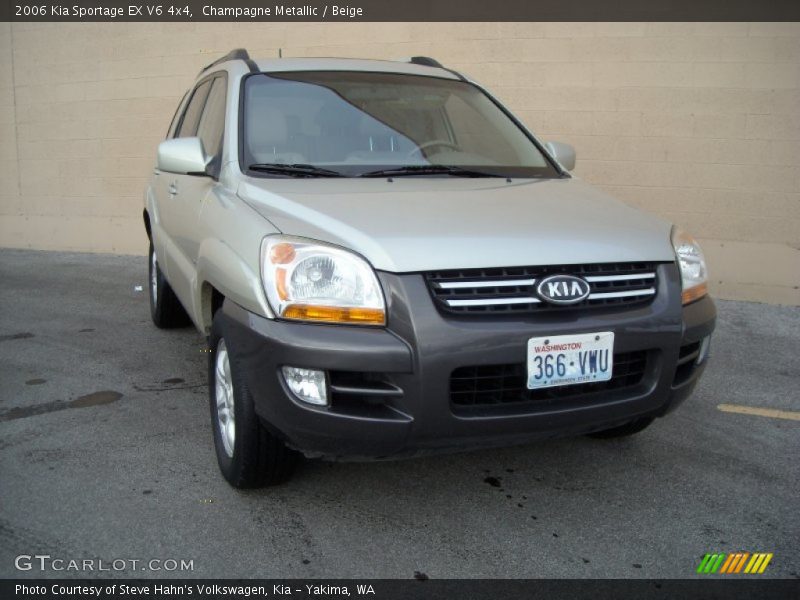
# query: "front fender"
{"type": "Point", "coordinates": [156, 232]}
{"type": "Point", "coordinates": [228, 255]}
{"type": "Point", "coordinates": [218, 265]}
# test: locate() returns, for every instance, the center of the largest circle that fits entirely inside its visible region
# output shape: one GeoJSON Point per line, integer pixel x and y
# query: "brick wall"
{"type": "Point", "coordinates": [699, 123]}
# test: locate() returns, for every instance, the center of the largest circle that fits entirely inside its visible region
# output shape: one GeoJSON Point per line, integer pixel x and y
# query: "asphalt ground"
{"type": "Point", "coordinates": [106, 453]}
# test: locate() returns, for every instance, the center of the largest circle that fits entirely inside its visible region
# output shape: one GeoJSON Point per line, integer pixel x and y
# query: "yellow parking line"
{"type": "Point", "coordinates": [760, 412]}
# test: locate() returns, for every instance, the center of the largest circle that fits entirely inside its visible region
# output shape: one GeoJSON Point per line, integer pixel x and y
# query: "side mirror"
{"type": "Point", "coordinates": [563, 153]}
{"type": "Point", "coordinates": [185, 156]}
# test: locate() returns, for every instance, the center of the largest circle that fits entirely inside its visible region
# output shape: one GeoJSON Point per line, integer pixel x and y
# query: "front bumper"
{"type": "Point", "coordinates": [392, 385]}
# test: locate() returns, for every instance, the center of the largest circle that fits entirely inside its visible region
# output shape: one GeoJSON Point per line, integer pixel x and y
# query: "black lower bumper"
{"type": "Point", "coordinates": [390, 389]}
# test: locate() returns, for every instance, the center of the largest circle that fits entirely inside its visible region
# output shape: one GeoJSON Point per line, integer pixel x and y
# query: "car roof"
{"type": "Point", "coordinates": [351, 64]}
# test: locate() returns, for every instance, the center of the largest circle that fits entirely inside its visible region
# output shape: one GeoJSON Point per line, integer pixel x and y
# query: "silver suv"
{"type": "Point", "coordinates": [387, 262]}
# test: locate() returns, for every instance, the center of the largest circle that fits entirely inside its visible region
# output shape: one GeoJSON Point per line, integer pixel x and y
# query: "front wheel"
{"type": "Point", "coordinates": [248, 455]}
{"type": "Point", "coordinates": [630, 428]}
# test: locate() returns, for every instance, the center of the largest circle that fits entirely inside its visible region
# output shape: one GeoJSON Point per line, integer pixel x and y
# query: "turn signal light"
{"type": "Point", "coordinates": [694, 293]}
{"type": "Point", "coordinates": [282, 254]}
{"type": "Point", "coordinates": [333, 314]}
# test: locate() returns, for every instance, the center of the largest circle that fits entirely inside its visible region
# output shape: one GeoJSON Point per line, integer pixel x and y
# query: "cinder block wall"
{"type": "Point", "coordinates": [697, 122]}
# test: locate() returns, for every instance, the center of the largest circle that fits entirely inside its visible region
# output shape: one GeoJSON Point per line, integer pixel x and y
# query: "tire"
{"type": "Point", "coordinates": [250, 456]}
{"type": "Point", "coordinates": [165, 308]}
{"type": "Point", "coordinates": [630, 428]}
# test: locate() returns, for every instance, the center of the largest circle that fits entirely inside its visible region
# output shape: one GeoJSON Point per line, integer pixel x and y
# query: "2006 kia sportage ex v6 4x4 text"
{"type": "Point", "coordinates": [385, 262]}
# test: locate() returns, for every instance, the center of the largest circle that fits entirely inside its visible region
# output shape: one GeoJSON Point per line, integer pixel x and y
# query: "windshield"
{"type": "Point", "coordinates": [356, 123]}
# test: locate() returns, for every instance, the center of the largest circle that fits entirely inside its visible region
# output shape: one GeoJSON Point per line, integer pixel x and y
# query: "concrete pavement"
{"type": "Point", "coordinates": [106, 453]}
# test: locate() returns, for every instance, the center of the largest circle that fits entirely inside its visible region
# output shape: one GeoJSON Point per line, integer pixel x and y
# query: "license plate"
{"type": "Point", "coordinates": [569, 359]}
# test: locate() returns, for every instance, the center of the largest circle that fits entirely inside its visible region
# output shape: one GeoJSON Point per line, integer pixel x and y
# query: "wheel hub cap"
{"type": "Point", "coordinates": [226, 423]}
{"type": "Point", "coordinates": [153, 276]}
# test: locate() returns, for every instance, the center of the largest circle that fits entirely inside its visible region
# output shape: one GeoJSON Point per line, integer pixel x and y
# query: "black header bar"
{"type": "Point", "coordinates": [711, 588]}
{"type": "Point", "coordinates": [400, 10]}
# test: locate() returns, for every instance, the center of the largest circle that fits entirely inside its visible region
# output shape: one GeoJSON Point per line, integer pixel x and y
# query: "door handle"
{"type": "Point", "coordinates": [173, 189]}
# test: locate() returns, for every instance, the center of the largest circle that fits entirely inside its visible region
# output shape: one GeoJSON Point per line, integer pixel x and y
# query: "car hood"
{"type": "Point", "coordinates": [423, 223]}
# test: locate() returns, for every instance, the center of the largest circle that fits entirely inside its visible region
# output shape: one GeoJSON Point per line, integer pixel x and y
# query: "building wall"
{"type": "Point", "coordinates": [697, 122]}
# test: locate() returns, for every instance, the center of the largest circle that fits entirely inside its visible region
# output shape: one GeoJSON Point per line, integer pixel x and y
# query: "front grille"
{"type": "Point", "coordinates": [513, 289]}
{"type": "Point", "coordinates": [487, 385]}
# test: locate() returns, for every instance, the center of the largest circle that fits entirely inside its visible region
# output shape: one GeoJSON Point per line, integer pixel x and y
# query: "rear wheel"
{"type": "Point", "coordinates": [630, 428]}
{"type": "Point", "coordinates": [248, 455]}
{"type": "Point", "coordinates": [165, 308]}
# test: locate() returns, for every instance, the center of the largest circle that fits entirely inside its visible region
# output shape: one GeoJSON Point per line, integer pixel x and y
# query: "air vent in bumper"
{"type": "Point", "coordinates": [498, 385]}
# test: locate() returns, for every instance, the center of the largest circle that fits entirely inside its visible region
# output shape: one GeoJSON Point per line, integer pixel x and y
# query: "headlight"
{"type": "Point", "coordinates": [694, 274]}
{"type": "Point", "coordinates": [310, 281]}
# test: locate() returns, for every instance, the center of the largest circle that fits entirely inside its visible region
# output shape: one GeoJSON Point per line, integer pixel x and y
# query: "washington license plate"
{"type": "Point", "coordinates": [569, 359]}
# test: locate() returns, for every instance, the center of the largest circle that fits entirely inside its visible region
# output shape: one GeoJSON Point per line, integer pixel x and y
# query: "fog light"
{"type": "Point", "coordinates": [307, 384]}
{"type": "Point", "coordinates": [704, 349]}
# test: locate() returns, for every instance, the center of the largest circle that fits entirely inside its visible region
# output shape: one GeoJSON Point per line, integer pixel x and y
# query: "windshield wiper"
{"type": "Point", "coordinates": [429, 170]}
{"type": "Point", "coordinates": [294, 170]}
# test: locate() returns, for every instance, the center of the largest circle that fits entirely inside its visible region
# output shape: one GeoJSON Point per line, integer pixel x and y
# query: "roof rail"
{"type": "Point", "coordinates": [425, 61]}
{"type": "Point", "coordinates": [237, 54]}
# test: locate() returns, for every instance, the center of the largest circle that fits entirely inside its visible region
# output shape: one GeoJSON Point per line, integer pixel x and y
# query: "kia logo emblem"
{"type": "Point", "coordinates": [562, 289]}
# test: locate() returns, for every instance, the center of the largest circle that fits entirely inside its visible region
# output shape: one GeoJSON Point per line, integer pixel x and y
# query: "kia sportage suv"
{"type": "Point", "coordinates": [386, 261]}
